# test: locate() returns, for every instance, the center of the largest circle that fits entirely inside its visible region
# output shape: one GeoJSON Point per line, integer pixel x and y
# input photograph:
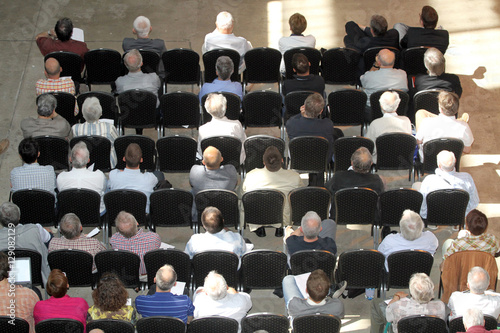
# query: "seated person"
{"type": "Point", "coordinates": [316, 300]}
{"type": "Point", "coordinates": [215, 298]}
{"type": "Point", "coordinates": [302, 80]}
{"type": "Point", "coordinates": [401, 306]}
{"type": "Point", "coordinates": [313, 234]}
{"type": "Point", "coordinates": [48, 121]}
{"type": "Point", "coordinates": [142, 28]}
{"type": "Point", "coordinates": [224, 68]}
{"type": "Point", "coordinates": [361, 38]}
{"type": "Point", "coordinates": [59, 39]}
{"type": "Point", "coordinates": [474, 322]}
{"type": "Point", "coordinates": [298, 24]}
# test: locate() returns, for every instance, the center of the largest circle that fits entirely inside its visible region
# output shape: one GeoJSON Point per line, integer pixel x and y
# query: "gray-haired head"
{"type": "Point", "coordinates": [216, 104]}
{"type": "Point", "coordinates": [133, 60]}
{"type": "Point", "coordinates": [10, 214]}
{"type": "Point", "coordinates": [215, 286]}
{"type": "Point", "coordinates": [389, 101]}
{"type": "Point", "coordinates": [411, 225]}
{"type": "Point", "coordinates": [421, 288]}
{"type": "Point", "coordinates": [361, 160]}
{"type": "Point", "coordinates": [142, 26]}
{"type": "Point", "coordinates": [224, 21]}
{"type": "Point", "coordinates": [473, 317]}
{"type": "Point", "coordinates": [434, 61]}
{"type": "Point", "coordinates": [91, 109]}
{"type": "Point", "coordinates": [224, 67]}
{"type": "Point", "coordinates": [46, 105]}
{"type": "Point", "coordinates": [79, 155]}
{"type": "Point", "coordinates": [70, 226]}
{"type": "Point", "coordinates": [311, 225]}
{"type": "Point", "coordinates": [478, 280]}
{"type": "Point", "coordinates": [446, 160]}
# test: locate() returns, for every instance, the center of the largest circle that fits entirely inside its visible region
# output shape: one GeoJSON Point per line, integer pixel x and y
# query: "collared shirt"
{"type": "Point", "coordinates": [156, 45]}
{"type": "Point", "coordinates": [217, 40]}
{"type": "Point", "coordinates": [101, 128]}
{"type": "Point", "coordinates": [484, 242]}
{"type": "Point", "coordinates": [449, 180]}
{"type": "Point", "coordinates": [25, 300]}
{"type": "Point", "coordinates": [201, 178]}
{"type": "Point", "coordinates": [83, 178]}
{"type": "Point", "coordinates": [383, 79]}
{"type": "Point", "coordinates": [57, 126]}
{"type": "Point", "coordinates": [33, 176]}
{"type": "Point", "coordinates": [292, 41]}
{"type": "Point", "coordinates": [63, 84]}
{"type": "Point", "coordinates": [165, 304]}
{"type": "Point", "coordinates": [221, 85]}
{"type": "Point", "coordinates": [47, 45]}
{"type": "Point", "coordinates": [460, 301]}
{"type": "Point", "coordinates": [223, 240]}
{"type": "Point", "coordinates": [140, 243]}
{"type": "Point", "coordinates": [139, 80]}
{"type": "Point", "coordinates": [409, 307]}
{"type": "Point", "coordinates": [90, 245]}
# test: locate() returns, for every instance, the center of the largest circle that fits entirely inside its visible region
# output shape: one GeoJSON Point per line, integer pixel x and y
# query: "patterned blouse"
{"type": "Point", "coordinates": [126, 313]}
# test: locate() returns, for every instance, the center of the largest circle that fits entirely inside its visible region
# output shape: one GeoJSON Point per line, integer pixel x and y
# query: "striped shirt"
{"type": "Point", "coordinates": [165, 304]}
{"type": "Point", "coordinates": [63, 84]}
{"type": "Point", "coordinates": [100, 128]}
{"type": "Point", "coordinates": [484, 242]}
{"type": "Point", "coordinates": [33, 176]}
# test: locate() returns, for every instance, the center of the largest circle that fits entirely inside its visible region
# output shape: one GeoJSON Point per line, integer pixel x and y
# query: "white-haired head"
{"type": "Point", "coordinates": [473, 317]}
{"type": "Point", "coordinates": [389, 101]}
{"type": "Point", "coordinates": [446, 160]}
{"type": "Point", "coordinates": [225, 22]}
{"type": "Point", "coordinates": [142, 26]}
{"type": "Point", "coordinates": [215, 286]}
{"type": "Point", "coordinates": [411, 225]}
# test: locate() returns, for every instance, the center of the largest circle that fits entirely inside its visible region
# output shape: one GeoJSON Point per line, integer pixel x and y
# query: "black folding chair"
{"type": "Point", "coordinates": [446, 207]}
{"type": "Point", "coordinates": [107, 101]}
{"type": "Point", "coordinates": [138, 110]}
{"type": "Point", "coordinates": [347, 107]}
{"type": "Point", "coordinates": [170, 207]}
{"type": "Point", "coordinates": [155, 259]}
{"type": "Point", "coordinates": [375, 103]}
{"type": "Point", "coordinates": [36, 263]}
{"type": "Point", "coordinates": [159, 324]}
{"type": "Point", "coordinates": [83, 202]}
{"type": "Point", "coordinates": [53, 151]}
{"type": "Point", "coordinates": [224, 262]}
{"type": "Point", "coordinates": [422, 324]}
{"type": "Point", "coordinates": [71, 64]}
{"type": "Point", "coordinates": [226, 201]}
{"type": "Point", "coordinates": [36, 206]}
{"type": "Point", "coordinates": [343, 148]}
{"type": "Point", "coordinates": [103, 66]}
{"type": "Point", "coordinates": [370, 54]}
{"type": "Point", "coordinates": [269, 322]}
{"type": "Point", "coordinates": [262, 109]}
{"type": "Point", "coordinates": [310, 198]}
{"type": "Point", "coordinates": [306, 261]}
{"type": "Point", "coordinates": [457, 324]}
{"type": "Point", "coordinates": [262, 66]}
{"type": "Point", "coordinates": [395, 151]}
{"type": "Point", "coordinates": [229, 147]}
{"type": "Point", "coordinates": [255, 146]}
{"type": "Point", "coordinates": [182, 66]}
{"type": "Point", "coordinates": [99, 149]}
{"type": "Point", "coordinates": [65, 105]}
{"type": "Point", "coordinates": [111, 326]}
{"type": "Point", "coordinates": [59, 325]}
{"type": "Point", "coordinates": [233, 107]}
{"type": "Point", "coordinates": [180, 110]}
{"type": "Point", "coordinates": [426, 100]}
{"type": "Point", "coordinates": [316, 323]}
{"type": "Point", "coordinates": [293, 101]}
{"type": "Point", "coordinates": [263, 269]}
{"type": "Point", "coordinates": [76, 265]}
{"type": "Point", "coordinates": [263, 207]}
{"type": "Point", "coordinates": [340, 66]}
{"type": "Point", "coordinates": [210, 59]}
{"type": "Point", "coordinates": [412, 60]}
{"type": "Point", "coordinates": [14, 325]}
{"type": "Point", "coordinates": [213, 324]}
{"type": "Point", "coordinates": [147, 147]}
{"type": "Point", "coordinates": [433, 147]}
{"type": "Point", "coordinates": [123, 263]}
{"type": "Point", "coordinates": [176, 153]}
{"type": "Point", "coordinates": [313, 55]}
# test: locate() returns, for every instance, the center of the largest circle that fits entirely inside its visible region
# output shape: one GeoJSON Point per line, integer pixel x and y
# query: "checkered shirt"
{"type": "Point", "coordinates": [140, 243]}
{"type": "Point", "coordinates": [83, 243]}
{"type": "Point", "coordinates": [63, 84]}
{"type": "Point", "coordinates": [25, 300]}
{"type": "Point", "coordinates": [484, 242]}
{"type": "Point", "coordinates": [33, 176]}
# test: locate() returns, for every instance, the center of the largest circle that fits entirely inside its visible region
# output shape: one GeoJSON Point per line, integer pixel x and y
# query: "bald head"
{"type": "Point", "coordinates": [165, 278]}
{"type": "Point", "coordinates": [212, 158]}
{"type": "Point", "coordinates": [361, 160]}
{"type": "Point", "coordinates": [386, 58]}
{"type": "Point", "coordinates": [389, 101]}
{"type": "Point", "coordinates": [446, 160]}
{"type": "Point", "coordinates": [52, 68]}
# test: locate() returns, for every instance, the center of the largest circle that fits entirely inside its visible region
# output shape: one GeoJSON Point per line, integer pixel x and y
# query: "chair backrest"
{"type": "Point", "coordinates": [86, 204]}
{"type": "Point", "coordinates": [180, 109]}
{"type": "Point", "coordinates": [148, 151]}
{"type": "Point", "coordinates": [270, 322]}
{"type": "Point", "coordinates": [262, 109]}
{"type": "Point", "coordinates": [393, 203]}
{"type": "Point", "coordinates": [347, 107]}
{"type": "Point", "coordinates": [158, 324]}
{"type": "Point", "coordinates": [70, 62]}
{"type": "Point", "coordinates": [76, 265]}
{"type": "Point", "coordinates": [36, 206]}
{"type": "Point", "coordinates": [309, 154]}
{"type": "Point", "coordinates": [111, 326]}
{"type": "Point", "coordinates": [170, 207]}
{"type": "Point", "coordinates": [375, 103]}
{"type": "Point", "coordinates": [262, 65]}
{"type": "Point", "coordinates": [210, 58]}
{"type": "Point", "coordinates": [65, 105]}
{"type": "Point", "coordinates": [59, 325]}
{"type": "Point", "coordinates": [224, 262]}
{"type": "Point", "coordinates": [457, 324]}
{"type": "Point", "coordinates": [155, 259]}
{"type": "Point", "coordinates": [14, 325]}
{"type": "Point", "coordinates": [263, 269]}
{"type": "Point", "coordinates": [213, 324]}
{"type": "Point", "coordinates": [131, 201]}
{"type": "Point", "coordinates": [304, 199]}
{"type": "Point", "coordinates": [256, 145]}
{"type": "Point", "coordinates": [36, 263]}
{"type": "Point", "coordinates": [370, 54]}
{"type": "Point", "coordinates": [293, 101]}
{"type": "Point", "coordinates": [306, 261]}
{"type": "Point", "coordinates": [226, 201]}
{"type": "Point", "coordinates": [395, 151]}
{"type": "Point", "coordinates": [150, 61]}
{"type": "Point", "coordinates": [229, 147]}
{"type": "Point", "coordinates": [103, 66]}
{"type": "Point", "coordinates": [360, 268]}
{"type": "Point", "coordinates": [427, 100]}
{"type": "Point", "coordinates": [137, 109]}
{"type": "Point", "coordinates": [53, 151]}
{"type": "Point", "coordinates": [313, 55]}
{"type": "Point", "coordinates": [403, 264]}
{"type": "Point", "coordinates": [176, 153]}
{"type": "Point", "coordinates": [107, 101]}
{"type": "Point", "coordinates": [447, 207]}
{"type": "Point", "coordinates": [343, 148]}
{"type": "Point", "coordinates": [340, 66]}
{"type": "Point", "coordinates": [412, 60]}
{"type": "Point", "coordinates": [355, 206]}
{"type": "Point", "coordinates": [123, 263]}
{"type": "Point", "coordinates": [422, 324]}
{"type": "Point", "coordinates": [99, 148]}
{"type": "Point", "coordinates": [233, 107]}
{"type": "Point", "coordinates": [316, 323]}
{"type": "Point", "coordinates": [433, 147]}
{"type": "Point", "coordinates": [182, 66]}
{"type": "Point", "coordinates": [263, 207]}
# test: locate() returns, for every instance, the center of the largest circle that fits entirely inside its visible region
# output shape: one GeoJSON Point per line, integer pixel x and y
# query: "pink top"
{"type": "Point", "coordinates": [64, 307]}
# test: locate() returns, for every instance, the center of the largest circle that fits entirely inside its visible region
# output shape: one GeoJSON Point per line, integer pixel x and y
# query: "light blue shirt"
{"type": "Point", "coordinates": [33, 176]}
{"type": "Point", "coordinates": [219, 85]}
{"type": "Point", "coordinates": [223, 240]}
{"type": "Point", "coordinates": [133, 179]}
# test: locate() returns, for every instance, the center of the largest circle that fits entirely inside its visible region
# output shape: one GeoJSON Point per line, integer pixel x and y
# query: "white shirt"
{"type": "Point", "coordinates": [223, 240]}
{"type": "Point", "coordinates": [217, 40]}
{"type": "Point", "coordinates": [460, 301]}
{"type": "Point", "coordinates": [390, 122]}
{"type": "Point", "coordinates": [290, 42]}
{"type": "Point", "coordinates": [222, 127]}
{"type": "Point", "coordinates": [83, 178]}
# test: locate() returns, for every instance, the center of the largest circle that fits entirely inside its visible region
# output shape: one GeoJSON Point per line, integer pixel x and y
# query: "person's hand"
{"type": "Point", "coordinates": [302, 110]}
{"type": "Point", "coordinates": [362, 27]}
{"type": "Point", "coordinates": [401, 294]}
{"type": "Point", "coordinates": [231, 290]}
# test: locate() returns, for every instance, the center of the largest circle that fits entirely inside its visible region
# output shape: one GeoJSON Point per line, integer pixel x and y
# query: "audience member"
{"type": "Point", "coordinates": [48, 121]}
{"type": "Point", "coordinates": [313, 234]}
{"type": "Point", "coordinates": [129, 238]}
{"type": "Point", "coordinates": [474, 322]}
{"type": "Point", "coordinates": [72, 237]}
{"type": "Point", "coordinates": [298, 24]}
{"type": "Point", "coordinates": [32, 175]}
{"type": "Point", "coordinates": [163, 302]}
{"type": "Point", "coordinates": [302, 79]}
{"type": "Point", "coordinates": [142, 28]}
{"type": "Point", "coordinates": [59, 39]}
{"type": "Point", "coordinates": [361, 37]}
{"type": "Point", "coordinates": [272, 176]}
{"type": "Point", "coordinates": [223, 38]}
{"type": "Point", "coordinates": [224, 68]}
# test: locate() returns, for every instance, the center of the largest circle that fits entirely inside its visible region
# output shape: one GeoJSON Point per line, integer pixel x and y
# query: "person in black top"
{"type": "Point", "coordinates": [313, 234]}
{"type": "Point", "coordinates": [302, 79]}
{"type": "Point", "coordinates": [361, 38]}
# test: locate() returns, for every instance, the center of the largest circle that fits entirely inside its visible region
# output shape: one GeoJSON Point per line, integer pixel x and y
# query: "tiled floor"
{"type": "Point", "coordinates": [474, 30]}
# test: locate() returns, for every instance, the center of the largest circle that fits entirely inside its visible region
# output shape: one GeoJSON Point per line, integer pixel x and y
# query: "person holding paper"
{"type": "Point", "coordinates": [59, 39]}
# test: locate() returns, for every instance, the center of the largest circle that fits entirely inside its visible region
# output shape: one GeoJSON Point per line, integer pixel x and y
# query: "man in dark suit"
{"type": "Point", "coordinates": [361, 38]}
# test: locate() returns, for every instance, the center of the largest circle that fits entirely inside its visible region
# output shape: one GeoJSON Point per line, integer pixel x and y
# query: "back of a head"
{"type": "Point", "coordinates": [386, 58]}
{"type": "Point", "coordinates": [133, 155]}
{"type": "Point", "coordinates": [215, 286]}
{"type": "Point", "coordinates": [57, 283]}
{"type": "Point", "coordinates": [477, 222]}
{"type": "Point", "coordinates": [411, 225]}
{"type": "Point", "coordinates": [212, 220]}
{"type": "Point", "coordinates": [64, 29]}
{"type": "Point", "coordinates": [126, 224]}
{"type": "Point", "coordinates": [166, 278]}
{"type": "Point", "coordinates": [110, 294]}
{"type": "Point", "coordinates": [318, 285]}
{"type": "Point", "coordinates": [142, 26]}
{"type": "Point", "coordinates": [448, 103]}
{"type": "Point", "coordinates": [28, 150]}
{"type": "Point", "coordinates": [298, 23]}
{"type": "Point", "coordinates": [4, 266]}
{"type": "Point", "coordinates": [46, 104]}
{"type": "Point", "coordinates": [70, 226]}
{"type": "Point", "coordinates": [421, 288]}
{"type": "Point", "coordinates": [434, 61]}
{"type": "Point", "coordinates": [272, 159]}
{"type": "Point", "coordinates": [212, 157]}
{"type": "Point", "coordinates": [225, 20]}
{"type": "Point", "coordinates": [216, 104]}
{"type": "Point", "coordinates": [478, 280]}
{"type": "Point", "coordinates": [133, 60]}
{"type": "Point", "coordinates": [361, 160]}
{"type": "Point", "coordinates": [473, 317]}
{"type": "Point", "coordinates": [52, 67]}
{"type": "Point", "coordinates": [429, 17]}
{"type": "Point", "coordinates": [389, 101]}
{"type": "Point", "coordinates": [91, 109]}
{"type": "Point", "coordinates": [378, 23]}
{"type": "Point", "coordinates": [79, 155]}
{"type": "Point", "coordinates": [446, 160]}
{"type": "Point", "coordinates": [300, 63]}
{"type": "Point", "coordinates": [10, 215]}
{"type": "Point", "coordinates": [314, 105]}
{"type": "Point", "coordinates": [224, 67]}
{"type": "Point", "coordinates": [311, 225]}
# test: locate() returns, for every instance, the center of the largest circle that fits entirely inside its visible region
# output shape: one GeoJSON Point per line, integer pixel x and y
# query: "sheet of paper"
{"type": "Point", "coordinates": [166, 246]}
{"type": "Point", "coordinates": [93, 232]}
{"type": "Point", "coordinates": [249, 247]}
{"type": "Point", "coordinates": [301, 281]}
{"type": "Point", "coordinates": [78, 35]}
{"type": "Point", "coordinates": [178, 289]}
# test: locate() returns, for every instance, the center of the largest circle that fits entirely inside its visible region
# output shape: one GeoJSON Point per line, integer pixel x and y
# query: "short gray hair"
{"type": "Point", "coordinates": [133, 60]}
{"type": "Point", "coordinates": [411, 225]}
{"type": "Point", "coordinates": [478, 280]}
{"type": "Point", "coordinates": [361, 160]}
{"type": "Point", "coordinates": [126, 224]}
{"type": "Point", "coordinates": [378, 23]}
{"type": "Point", "coordinates": [225, 20]}
{"type": "Point", "coordinates": [79, 155]}
{"type": "Point", "coordinates": [311, 225]}
{"type": "Point", "coordinates": [163, 282]}
{"type": "Point", "coordinates": [91, 109]}
{"type": "Point", "coordinates": [224, 67]}
{"type": "Point", "coordinates": [434, 61]}
{"type": "Point", "coordinates": [46, 104]}
{"type": "Point", "coordinates": [9, 214]}
{"type": "Point", "coordinates": [473, 317]}
{"type": "Point", "coordinates": [313, 105]}
{"type": "Point", "coordinates": [446, 160]}
{"type": "Point", "coordinates": [216, 104]}
{"type": "Point", "coordinates": [215, 286]}
{"type": "Point", "coordinates": [387, 104]}
{"type": "Point", "coordinates": [70, 226]}
{"type": "Point", "coordinates": [142, 25]}
{"type": "Point", "coordinates": [421, 288]}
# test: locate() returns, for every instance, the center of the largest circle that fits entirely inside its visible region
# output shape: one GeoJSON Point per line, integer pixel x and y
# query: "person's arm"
{"type": "Point", "coordinates": [467, 150]}
{"type": "Point", "coordinates": [47, 34]}
{"type": "Point", "coordinates": [190, 318]}
{"type": "Point", "coordinates": [397, 296]}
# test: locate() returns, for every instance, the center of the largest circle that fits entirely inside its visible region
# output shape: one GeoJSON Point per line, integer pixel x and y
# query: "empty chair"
{"type": "Point", "coordinates": [111, 326]}
{"type": "Point", "coordinates": [233, 106]}
{"type": "Point", "coordinates": [270, 322]}
{"type": "Point", "coordinates": [306, 261]}
{"type": "Point", "coordinates": [15, 325]}
{"type": "Point", "coordinates": [123, 263]}
{"type": "Point", "coordinates": [182, 66]}
{"type": "Point", "coordinates": [395, 151]}
{"type": "Point", "coordinates": [347, 107]}
{"type": "Point", "coordinates": [421, 324]}
{"type": "Point", "coordinates": [137, 110]}
{"type": "Point", "coordinates": [76, 264]}
{"type": "Point", "coordinates": [309, 154]}
{"type": "Point", "coordinates": [426, 100]}
{"type": "Point", "coordinates": [170, 208]}
{"type": "Point", "coordinates": [71, 64]}
{"type": "Point", "coordinates": [226, 201]}
{"type": "Point", "coordinates": [176, 153]}
{"type": "Point", "coordinates": [433, 147]}
{"type": "Point", "coordinates": [107, 101]}
{"type": "Point", "coordinates": [53, 151]}
{"type": "Point", "coordinates": [394, 202]}
{"type": "Point", "coordinates": [147, 147]}
{"type": "Point", "coordinates": [360, 268]}
{"type": "Point", "coordinates": [264, 207]}
{"type": "Point", "coordinates": [446, 207]}
{"type": "Point", "coordinates": [160, 324]}
{"type": "Point", "coordinates": [316, 323]}
{"type": "Point", "coordinates": [403, 264]}
{"type": "Point", "coordinates": [155, 259]}
{"type": "Point", "coordinates": [262, 109]}
{"type": "Point", "coordinates": [343, 148]}
{"type": "Point", "coordinates": [313, 55]}
{"type": "Point", "coordinates": [224, 262]}
{"type": "Point", "coordinates": [370, 54]}
{"type": "Point", "coordinates": [294, 101]}
{"type": "Point", "coordinates": [263, 269]}
{"type": "Point", "coordinates": [310, 198]}
{"type": "Point", "coordinates": [210, 58]}
{"type": "Point", "coordinates": [59, 325]}
{"type": "Point", "coordinates": [255, 146]}
{"type": "Point", "coordinates": [36, 206]}
{"type": "Point", "coordinates": [229, 147]}
{"type": "Point", "coordinates": [213, 324]}
{"type": "Point", "coordinates": [180, 110]}
{"type": "Point", "coordinates": [412, 60]}
{"type": "Point", "coordinates": [375, 104]}
{"type": "Point", "coordinates": [103, 66]}
{"type": "Point", "coordinates": [99, 148]}
{"type": "Point", "coordinates": [340, 66]}
{"type": "Point", "coordinates": [262, 66]}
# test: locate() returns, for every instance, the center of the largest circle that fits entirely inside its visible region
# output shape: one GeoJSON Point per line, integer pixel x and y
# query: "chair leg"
{"type": "Point", "coordinates": [441, 285]}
